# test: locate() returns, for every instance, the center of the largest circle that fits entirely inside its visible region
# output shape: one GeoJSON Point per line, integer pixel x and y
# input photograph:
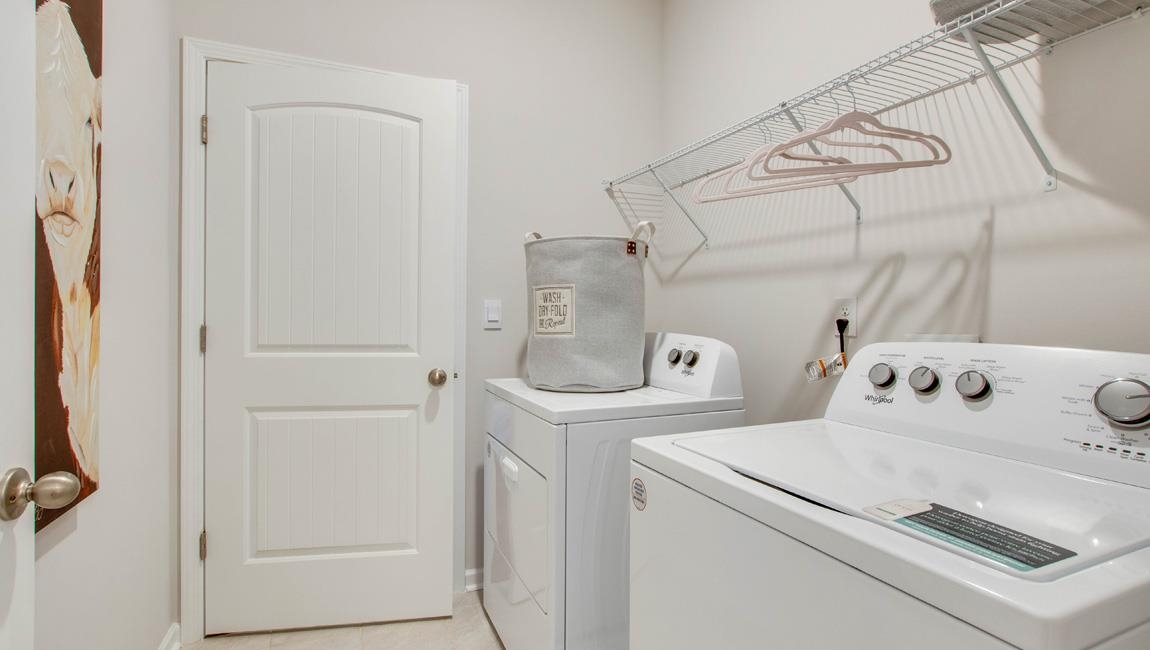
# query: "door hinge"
{"type": "Point", "coordinates": [203, 545]}
{"type": "Point", "coordinates": [203, 339]}
{"type": "Point", "coordinates": [204, 129]}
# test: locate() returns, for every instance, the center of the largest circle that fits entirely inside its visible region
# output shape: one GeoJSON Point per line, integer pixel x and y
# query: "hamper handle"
{"type": "Point", "coordinates": [640, 227]}
{"type": "Point", "coordinates": [532, 236]}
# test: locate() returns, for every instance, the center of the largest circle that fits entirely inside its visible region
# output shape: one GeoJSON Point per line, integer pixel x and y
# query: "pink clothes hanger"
{"type": "Point", "coordinates": [729, 174]}
{"type": "Point", "coordinates": [861, 122]}
{"type": "Point", "coordinates": [724, 192]}
{"type": "Point", "coordinates": [831, 170]}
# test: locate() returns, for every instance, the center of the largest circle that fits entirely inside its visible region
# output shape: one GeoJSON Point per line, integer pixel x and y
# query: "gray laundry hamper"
{"type": "Point", "coordinates": [585, 302]}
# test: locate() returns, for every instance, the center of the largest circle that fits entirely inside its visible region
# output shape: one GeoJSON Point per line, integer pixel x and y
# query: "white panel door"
{"type": "Point", "coordinates": [17, 219]}
{"type": "Point", "coordinates": [329, 298]}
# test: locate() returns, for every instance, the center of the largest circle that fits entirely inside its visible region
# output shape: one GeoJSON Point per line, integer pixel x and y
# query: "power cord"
{"type": "Point", "coordinates": [841, 324]}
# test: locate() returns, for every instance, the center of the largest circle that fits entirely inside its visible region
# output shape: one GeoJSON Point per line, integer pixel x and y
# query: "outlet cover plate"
{"type": "Point", "coordinates": [846, 308]}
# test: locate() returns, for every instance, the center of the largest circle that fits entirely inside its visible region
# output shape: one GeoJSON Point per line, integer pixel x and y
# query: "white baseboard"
{"type": "Point", "coordinates": [473, 579]}
{"type": "Point", "coordinates": [171, 639]}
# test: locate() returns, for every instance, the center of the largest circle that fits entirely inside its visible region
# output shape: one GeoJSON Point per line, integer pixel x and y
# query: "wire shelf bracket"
{"type": "Point", "coordinates": [1050, 181]}
{"type": "Point", "coordinates": [686, 212]}
{"type": "Point", "coordinates": [983, 43]}
{"type": "Point", "coordinates": [813, 147]}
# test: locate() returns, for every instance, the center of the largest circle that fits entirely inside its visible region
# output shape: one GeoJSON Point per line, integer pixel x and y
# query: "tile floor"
{"type": "Point", "coordinates": [468, 629]}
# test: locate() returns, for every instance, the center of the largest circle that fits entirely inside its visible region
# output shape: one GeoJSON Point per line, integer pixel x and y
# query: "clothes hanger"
{"type": "Point", "coordinates": [728, 174]}
{"type": "Point", "coordinates": [769, 137]}
{"type": "Point", "coordinates": [826, 139]}
{"type": "Point", "coordinates": [831, 175]}
{"type": "Point", "coordinates": [860, 122]}
{"type": "Point", "coordinates": [866, 125]}
{"type": "Point", "coordinates": [832, 170]}
{"type": "Point", "coordinates": [700, 195]}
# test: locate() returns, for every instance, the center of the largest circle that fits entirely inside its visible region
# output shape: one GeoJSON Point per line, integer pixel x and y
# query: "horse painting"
{"type": "Point", "coordinates": [68, 149]}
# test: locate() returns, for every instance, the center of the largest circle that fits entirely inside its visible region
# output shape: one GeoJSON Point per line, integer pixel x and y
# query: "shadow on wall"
{"type": "Point", "coordinates": [1107, 139]}
{"type": "Point", "coordinates": [950, 297]}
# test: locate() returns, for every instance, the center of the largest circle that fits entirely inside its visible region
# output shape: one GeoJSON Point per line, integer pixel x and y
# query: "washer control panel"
{"type": "Point", "coordinates": [1084, 411]}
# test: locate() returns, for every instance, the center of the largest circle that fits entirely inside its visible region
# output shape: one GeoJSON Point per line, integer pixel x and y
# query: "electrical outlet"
{"type": "Point", "coordinates": [847, 308]}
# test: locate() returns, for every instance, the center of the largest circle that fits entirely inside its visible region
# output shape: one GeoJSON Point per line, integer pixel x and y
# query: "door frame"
{"type": "Point", "coordinates": [195, 55]}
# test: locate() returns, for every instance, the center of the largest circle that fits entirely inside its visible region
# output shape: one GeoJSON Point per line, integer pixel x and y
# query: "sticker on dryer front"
{"type": "Point", "coordinates": [1006, 546]}
{"type": "Point", "coordinates": [639, 494]}
{"type": "Point", "coordinates": [554, 310]}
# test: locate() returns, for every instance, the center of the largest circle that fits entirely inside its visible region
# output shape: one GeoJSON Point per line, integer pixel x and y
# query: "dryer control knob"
{"type": "Point", "coordinates": [972, 384]}
{"type": "Point", "coordinates": [882, 375]}
{"type": "Point", "coordinates": [923, 380]}
{"type": "Point", "coordinates": [1124, 401]}
{"type": "Point", "coordinates": [690, 358]}
{"type": "Point", "coordinates": [674, 355]}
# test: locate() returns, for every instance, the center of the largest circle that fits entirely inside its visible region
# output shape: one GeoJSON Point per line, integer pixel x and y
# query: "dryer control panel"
{"type": "Point", "coordinates": [693, 365]}
{"type": "Point", "coordinates": [1084, 411]}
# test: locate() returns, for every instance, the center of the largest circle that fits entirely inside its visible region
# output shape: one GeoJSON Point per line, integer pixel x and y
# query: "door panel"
{"type": "Point", "coordinates": [337, 205]}
{"type": "Point", "coordinates": [329, 286]}
{"type": "Point", "coordinates": [17, 220]}
{"type": "Point", "coordinates": [328, 482]}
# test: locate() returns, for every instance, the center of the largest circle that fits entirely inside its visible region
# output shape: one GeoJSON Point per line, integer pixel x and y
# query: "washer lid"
{"type": "Point", "coordinates": [571, 408]}
{"type": "Point", "coordinates": [1030, 521]}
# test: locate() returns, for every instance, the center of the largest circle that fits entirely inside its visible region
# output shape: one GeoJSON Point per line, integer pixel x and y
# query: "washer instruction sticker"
{"type": "Point", "coordinates": [639, 494]}
{"type": "Point", "coordinates": [1004, 545]}
{"type": "Point", "coordinates": [554, 310]}
{"type": "Point", "coordinates": [898, 509]}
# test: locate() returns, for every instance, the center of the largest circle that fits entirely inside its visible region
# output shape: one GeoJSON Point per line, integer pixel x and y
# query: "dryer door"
{"type": "Point", "coordinates": [516, 518]}
{"type": "Point", "coordinates": [518, 590]}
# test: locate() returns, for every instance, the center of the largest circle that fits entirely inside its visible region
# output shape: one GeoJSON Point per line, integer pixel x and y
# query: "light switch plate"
{"type": "Point", "coordinates": [492, 314]}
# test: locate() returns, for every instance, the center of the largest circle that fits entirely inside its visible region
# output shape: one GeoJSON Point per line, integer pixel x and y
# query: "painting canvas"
{"type": "Point", "coordinates": [69, 43]}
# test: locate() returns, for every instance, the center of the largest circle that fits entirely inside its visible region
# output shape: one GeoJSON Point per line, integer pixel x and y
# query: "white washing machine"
{"type": "Point", "coordinates": [954, 497]}
{"type": "Point", "coordinates": [556, 490]}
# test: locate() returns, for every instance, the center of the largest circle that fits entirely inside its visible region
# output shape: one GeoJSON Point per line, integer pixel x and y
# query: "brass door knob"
{"type": "Point", "coordinates": [52, 491]}
{"type": "Point", "coordinates": [437, 377]}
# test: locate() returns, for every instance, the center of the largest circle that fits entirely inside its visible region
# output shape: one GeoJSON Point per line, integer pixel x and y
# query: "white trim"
{"type": "Point", "coordinates": [193, 92]}
{"type": "Point", "coordinates": [473, 580]}
{"type": "Point", "coordinates": [171, 639]}
{"type": "Point", "coordinates": [462, 137]}
{"type": "Point", "coordinates": [195, 56]}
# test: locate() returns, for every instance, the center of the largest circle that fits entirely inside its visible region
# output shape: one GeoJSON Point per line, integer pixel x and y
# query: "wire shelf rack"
{"type": "Point", "coordinates": [980, 44]}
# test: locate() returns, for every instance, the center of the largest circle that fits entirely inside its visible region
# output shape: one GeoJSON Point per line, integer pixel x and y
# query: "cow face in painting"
{"type": "Point", "coordinates": [68, 141]}
{"type": "Point", "coordinates": [68, 154]}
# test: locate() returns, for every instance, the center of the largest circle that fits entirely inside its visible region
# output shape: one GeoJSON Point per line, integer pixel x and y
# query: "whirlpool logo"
{"type": "Point", "coordinates": [879, 399]}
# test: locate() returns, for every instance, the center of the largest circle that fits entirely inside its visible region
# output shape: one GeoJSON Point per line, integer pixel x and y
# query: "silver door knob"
{"type": "Point", "coordinates": [437, 377]}
{"type": "Point", "coordinates": [51, 491]}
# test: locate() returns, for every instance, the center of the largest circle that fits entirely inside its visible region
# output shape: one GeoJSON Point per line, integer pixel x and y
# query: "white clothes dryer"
{"type": "Point", "coordinates": [556, 496]}
{"type": "Point", "coordinates": [955, 496]}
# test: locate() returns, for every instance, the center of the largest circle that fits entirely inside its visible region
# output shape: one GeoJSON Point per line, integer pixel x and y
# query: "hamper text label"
{"type": "Point", "coordinates": [554, 310]}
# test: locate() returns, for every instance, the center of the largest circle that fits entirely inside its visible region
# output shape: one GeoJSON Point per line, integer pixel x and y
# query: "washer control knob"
{"type": "Point", "coordinates": [972, 384]}
{"type": "Point", "coordinates": [923, 380]}
{"type": "Point", "coordinates": [674, 355]}
{"type": "Point", "coordinates": [882, 375]}
{"type": "Point", "coordinates": [1124, 401]}
{"type": "Point", "coordinates": [690, 358]}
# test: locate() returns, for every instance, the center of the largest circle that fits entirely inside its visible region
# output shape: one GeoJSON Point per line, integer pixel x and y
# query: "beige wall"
{"type": "Point", "coordinates": [974, 247]}
{"type": "Point", "coordinates": [561, 93]}
{"type": "Point", "coordinates": [106, 570]}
